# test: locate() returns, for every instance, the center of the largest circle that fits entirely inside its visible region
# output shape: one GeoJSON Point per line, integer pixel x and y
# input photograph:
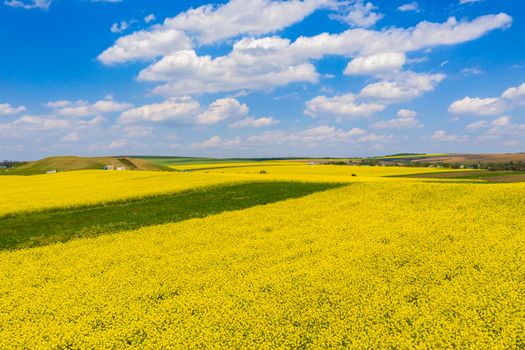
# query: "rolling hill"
{"type": "Point", "coordinates": [71, 163]}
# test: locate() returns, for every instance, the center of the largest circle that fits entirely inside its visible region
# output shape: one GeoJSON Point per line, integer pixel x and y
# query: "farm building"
{"type": "Point", "coordinates": [120, 168]}
{"type": "Point", "coordinates": [109, 167]}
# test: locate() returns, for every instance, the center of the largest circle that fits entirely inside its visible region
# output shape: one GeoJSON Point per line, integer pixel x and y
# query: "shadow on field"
{"type": "Point", "coordinates": [38, 228]}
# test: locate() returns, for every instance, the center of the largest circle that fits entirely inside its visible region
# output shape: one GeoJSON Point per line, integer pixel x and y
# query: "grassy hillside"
{"type": "Point", "coordinates": [70, 163]}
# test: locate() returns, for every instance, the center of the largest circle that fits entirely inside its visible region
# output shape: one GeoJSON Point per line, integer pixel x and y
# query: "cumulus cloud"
{"type": "Point", "coordinates": [341, 107]}
{"type": "Point", "coordinates": [7, 109]}
{"type": "Point", "coordinates": [510, 98]}
{"type": "Point", "coordinates": [478, 106]}
{"type": "Point", "coordinates": [40, 4]}
{"type": "Point", "coordinates": [28, 124]}
{"type": "Point", "coordinates": [250, 122]}
{"type": "Point", "coordinates": [478, 125]}
{"type": "Point", "coordinates": [222, 109]}
{"type": "Point", "coordinates": [208, 24]}
{"type": "Point", "coordinates": [262, 63]}
{"type": "Point", "coordinates": [121, 26]}
{"type": "Point", "coordinates": [113, 145]}
{"type": "Point", "coordinates": [145, 45]}
{"type": "Point", "coordinates": [471, 71]}
{"type": "Point", "coordinates": [317, 135]}
{"type": "Point", "coordinates": [174, 109]}
{"type": "Point", "coordinates": [150, 18]}
{"type": "Point", "coordinates": [443, 136]}
{"type": "Point", "coordinates": [516, 94]}
{"type": "Point", "coordinates": [218, 142]}
{"type": "Point", "coordinates": [211, 23]}
{"type": "Point", "coordinates": [410, 6]}
{"type": "Point", "coordinates": [401, 87]}
{"type": "Point", "coordinates": [29, 5]}
{"type": "Point", "coordinates": [71, 137]}
{"type": "Point", "coordinates": [498, 129]}
{"type": "Point", "coordinates": [187, 111]}
{"type": "Point", "coordinates": [84, 109]}
{"type": "Point", "coordinates": [406, 119]}
{"type": "Point", "coordinates": [378, 63]}
{"type": "Point", "coordinates": [251, 65]}
{"type": "Point", "coordinates": [359, 14]}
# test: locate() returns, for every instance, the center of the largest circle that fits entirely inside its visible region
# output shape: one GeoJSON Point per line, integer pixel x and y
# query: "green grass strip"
{"type": "Point", "coordinates": [38, 228]}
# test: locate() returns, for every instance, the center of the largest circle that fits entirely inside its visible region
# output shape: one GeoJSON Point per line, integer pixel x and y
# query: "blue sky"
{"type": "Point", "coordinates": [260, 78]}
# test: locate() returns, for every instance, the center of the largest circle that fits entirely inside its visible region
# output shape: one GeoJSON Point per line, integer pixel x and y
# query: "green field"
{"type": "Point", "coordinates": [71, 163]}
{"type": "Point", "coordinates": [39, 228]}
{"type": "Point", "coordinates": [174, 161]}
{"type": "Point", "coordinates": [485, 175]}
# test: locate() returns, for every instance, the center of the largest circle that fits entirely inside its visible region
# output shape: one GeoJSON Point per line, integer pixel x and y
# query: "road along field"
{"type": "Point", "coordinates": [377, 263]}
{"type": "Point", "coordinates": [318, 172]}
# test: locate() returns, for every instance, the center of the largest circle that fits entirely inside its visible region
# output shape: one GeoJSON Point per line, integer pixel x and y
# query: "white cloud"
{"type": "Point", "coordinates": [218, 142]}
{"type": "Point", "coordinates": [317, 135]}
{"type": "Point", "coordinates": [144, 45]}
{"type": "Point", "coordinates": [344, 106]}
{"type": "Point", "coordinates": [38, 123]}
{"type": "Point", "coordinates": [410, 6]}
{"type": "Point", "coordinates": [378, 63]}
{"type": "Point", "coordinates": [7, 109]}
{"type": "Point", "coordinates": [500, 128]}
{"type": "Point", "coordinates": [226, 108]}
{"type": "Point", "coordinates": [406, 119]}
{"type": "Point", "coordinates": [501, 121]}
{"type": "Point", "coordinates": [516, 94]}
{"type": "Point", "coordinates": [478, 125]}
{"type": "Point", "coordinates": [40, 4]}
{"type": "Point", "coordinates": [150, 18]}
{"type": "Point", "coordinates": [471, 71]}
{"type": "Point", "coordinates": [250, 122]}
{"type": "Point", "coordinates": [30, 124]}
{"type": "Point", "coordinates": [174, 109]}
{"type": "Point", "coordinates": [59, 104]}
{"type": "Point", "coordinates": [401, 87]}
{"type": "Point", "coordinates": [29, 5]}
{"type": "Point", "coordinates": [510, 98]}
{"type": "Point", "coordinates": [209, 24]}
{"type": "Point", "coordinates": [84, 109]}
{"type": "Point", "coordinates": [113, 145]}
{"type": "Point", "coordinates": [359, 14]}
{"type": "Point", "coordinates": [463, 2]}
{"type": "Point", "coordinates": [137, 130]}
{"type": "Point", "coordinates": [186, 111]}
{"type": "Point", "coordinates": [478, 106]}
{"type": "Point", "coordinates": [257, 64]}
{"type": "Point", "coordinates": [71, 137]}
{"type": "Point", "coordinates": [120, 27]}
{"type": "Point", "coordinates": [363, 42]}
{"type": "Point", "coordinates": [406, 113]}
{"type": "Point", "coordinates": [251, 65]}
{"type": "Point", "coordinates": [443, 136]}
{"type": "Point", "coordinates": [253, 17]}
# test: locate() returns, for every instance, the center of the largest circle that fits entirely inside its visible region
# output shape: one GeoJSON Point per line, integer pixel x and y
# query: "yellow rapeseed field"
{"type": "Point", "coordinates": [302, 169]}
{"type": "Point", "coordinates": [379, 265]}
{"type": "Point", "coordinates": [23, 193]}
